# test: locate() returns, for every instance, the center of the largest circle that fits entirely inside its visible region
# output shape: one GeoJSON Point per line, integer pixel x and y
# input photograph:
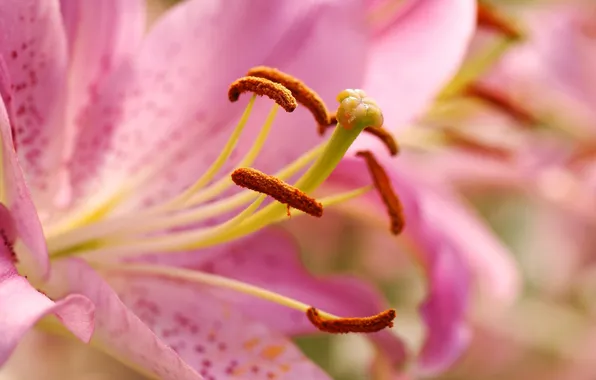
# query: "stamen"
{"type": "Point", "coordinates": [279, 190]}
{"type": "Point", "coordinates": [386, 138]}
{"type": "Point", "coordinates": [263, 87]}
{"type": "Point", "coordinates": [322, 320]}
{"type": "Point", "coordinates": [489, 17]}
{"type": "Point", "coordinates": [351, 325]}
{"type": "Point", "coordinates": [356, 107]}
{"type": "Point", "coordinates": [469, 143]}
{"type": "Point", "coordinates": [383, 185]}
{"type": "Point", "coordinates": [332, 123]}
{"type": "Point", "coordinates": [130, 225]}
{"type": "Point", "coordinates": [502, 102]}
{"type": "Point", "coordinates": [303, 94]}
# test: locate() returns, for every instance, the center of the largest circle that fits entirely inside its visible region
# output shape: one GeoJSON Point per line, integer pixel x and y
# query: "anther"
{"type": "Point", "coordinates": [303, 94]}
{"type": "Point", "coordinates": [502, 102]}
{"type": "Point", "coordinates": [471, 144]}
{"type": "Point", "coordinates": [386, 138]}
{"type": "Point", "coordinates": [263, 87]}
{"type": "Point", "coordinates": [489, 17]}
{"type": "Point", "coordinates": [279, 190]}
{"type": "Point", "coordinates": [383, 185]}
{"type": "Point", "coordinates": [332, 123]}
{"type": "Point", "coordinates": [351, 325]}
{"type": "Point", "coordinates": [358, 110]}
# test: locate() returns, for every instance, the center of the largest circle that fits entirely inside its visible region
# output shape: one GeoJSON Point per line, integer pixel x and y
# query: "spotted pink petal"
{"type": "Point", "coordinates": [410, 62]}
{"type": "Point", "coordinates": [102, 35]}
{"type": "Point", "coordinates": [17, 198]}
{"type": "Point", "coordinates": [173, 98]}
{"type": "Point", "coordinates": [22, 306]}
{"type": "Point", "coordinates": [270, 259]}
{"type": "Point", "coordinates": [209, 333]}
{"type": "Point", "coordinates": [33, 47]}
{"type": "Point", "coordinates": [117, 329]}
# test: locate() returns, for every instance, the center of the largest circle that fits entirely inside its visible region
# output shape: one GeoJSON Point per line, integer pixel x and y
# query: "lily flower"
{"type": "Point", "coordinates": [121, 193]}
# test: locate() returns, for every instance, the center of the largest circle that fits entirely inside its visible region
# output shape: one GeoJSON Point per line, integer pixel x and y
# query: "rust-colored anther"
{"type": "Point", "coordinates": [386, 138]}
{"type": "Point", "coordinates": [582, 155]}
{"type": "Point", "coordinates": [371, 324]}
{"type": "Point", "coordinates": [263, 87]}
{"type": "Point", "coordinates": [279, 190]}
{"type": "Point", "coordinates": [332, 123]}
{"type": "Point", "coordinates": [471, 144]}
{"type": "Point", "coordinates": [303, 94]}
{"type": "Point", "coordinates": [383, 185]}
{"type": "Point", "coordinates": [502, 102]}
{"type": "Point", "coordinates": [489, 17]}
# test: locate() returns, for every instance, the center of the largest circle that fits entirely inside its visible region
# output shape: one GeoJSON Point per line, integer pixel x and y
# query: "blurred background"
{"type": "Point", "coordinates": [518, 141]}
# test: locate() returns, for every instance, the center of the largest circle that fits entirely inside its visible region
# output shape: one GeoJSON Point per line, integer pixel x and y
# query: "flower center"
{"type": "Point", "coordinates": [147, 231]}
{"type": "Point", "coordinates": [104, 240]}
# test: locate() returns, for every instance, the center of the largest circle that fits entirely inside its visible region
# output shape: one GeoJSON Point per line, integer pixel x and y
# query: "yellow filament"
{"type": "Point", "coordinates": [223, 156]}
{"type": "Point", "coordinates": [196, 239]}
{"type": "Point", "coordinates": [148, 222]}
{"type": "Point", "coordinates": [203, 278]}
{"type": "Point", "coordinates": [476, 66]}
{"type": "Point", "coordinates": [247, 160]}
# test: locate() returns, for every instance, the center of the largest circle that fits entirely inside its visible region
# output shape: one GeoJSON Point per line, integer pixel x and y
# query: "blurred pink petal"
{"type": "Point", "coordinates": [410, 62]}
{"type": "Point", "coordinates": [444, 313]}
{"type": "Point", "coordinates": [33, 46]}
{"type": "Point", "coordinates": [552, 72]}
{"type": "Point", "coordinates": [435, 222]}
{"type": "Point", "coordinates": [493, 268]}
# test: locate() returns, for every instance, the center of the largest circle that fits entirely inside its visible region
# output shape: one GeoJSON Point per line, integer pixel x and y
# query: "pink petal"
{"type": "Point", "coordinates": [101, 35]}
{"type": "Point", "coordinates": [443, 311]}
{"type": "Point", "coordinates": [35, 257]}
{"type": "Point", "coordinates": [270, 259]}
{"type": "Point", "coordinates": [411, 62]}
{"type": "Point", "coordinates": [447, 270]}
{"type": "Point", "coordinates": [492, 264]}
{"type": "Point", "coordinates": [209, 333]}
{"type": "Point", "coordinates": [33, 47]}
{"type": "Point", "coordinates": [22, 306]}
{"type": "Point", "coordinates": [117, 329]}
{"type": "Point", "coordinates": [174, 97]}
